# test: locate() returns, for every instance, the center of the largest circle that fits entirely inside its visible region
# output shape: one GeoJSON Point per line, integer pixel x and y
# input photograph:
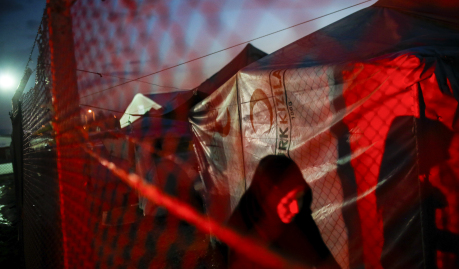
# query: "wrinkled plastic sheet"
{"type": "Point", "coordinates": [362, 135]}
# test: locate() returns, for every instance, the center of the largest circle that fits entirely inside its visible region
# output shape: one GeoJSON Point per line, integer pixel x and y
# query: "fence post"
{"type": "Point", "coordinates": [66, 124]}
{"type": "Point", "coordinates": [17, 158]}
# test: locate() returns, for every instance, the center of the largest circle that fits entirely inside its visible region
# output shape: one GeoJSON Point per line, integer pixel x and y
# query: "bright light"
{"type": "Point", "coordinates": [6, 82]}
{"type": "Point", "coordinates": [89, 110]}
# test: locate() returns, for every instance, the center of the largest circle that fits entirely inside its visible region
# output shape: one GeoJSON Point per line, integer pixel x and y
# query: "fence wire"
{"type": "Point", "coordinates": [42, 223]}
{"type": "Point", "coordinates": [100, 196]}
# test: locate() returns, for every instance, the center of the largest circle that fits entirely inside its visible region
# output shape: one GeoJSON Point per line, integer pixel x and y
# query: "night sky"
{"type": "Point", "coordinates": [19, 21]}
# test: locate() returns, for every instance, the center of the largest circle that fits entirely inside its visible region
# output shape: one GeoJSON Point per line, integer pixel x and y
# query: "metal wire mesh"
{"type": "Point", "coordinates": [79, 214]}
{"type": "Point", "coordinates": [41, 211]}
{"type": "Point", "coordinates": [6, 168]}
{"type": "Point", "coordinates": [313, 108]}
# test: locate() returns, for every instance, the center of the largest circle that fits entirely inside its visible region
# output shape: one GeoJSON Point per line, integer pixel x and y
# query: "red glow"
{"type": "Point", "coordinates": [288, 207]}
{"type": "Point", "coordinates": [385, 88]}
{"type": "Point", "coordinates": [253, 250]}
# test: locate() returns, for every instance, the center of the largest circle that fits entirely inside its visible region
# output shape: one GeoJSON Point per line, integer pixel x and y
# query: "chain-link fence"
{"type": "Point", "coordinates": [41, 207]}
{"type": "Point", "coordinates": [6, 169]}
{"type": "Point", "coordinates": [77, 211]}
{"type": "Point", "coordinates": [145, 195]}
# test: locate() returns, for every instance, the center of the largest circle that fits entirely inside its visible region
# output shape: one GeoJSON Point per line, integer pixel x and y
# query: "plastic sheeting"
{"type": "Point", "coordinates": [373, 129]}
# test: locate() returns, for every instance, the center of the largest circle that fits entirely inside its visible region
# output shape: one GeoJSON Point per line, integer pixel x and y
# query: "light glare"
{"type": "Point", "coordinates": [6, 82]}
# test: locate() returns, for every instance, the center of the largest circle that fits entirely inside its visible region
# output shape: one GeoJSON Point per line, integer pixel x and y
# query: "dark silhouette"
{"type": "Point", "coordinates": [276, 211]}
{"type": "Point", "coordinates": [406, 198]}
{"type": "Point", "coordinates": [398, 198]}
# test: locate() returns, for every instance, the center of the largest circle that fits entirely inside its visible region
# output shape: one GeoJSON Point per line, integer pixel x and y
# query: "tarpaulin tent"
{"type": "Point", "coordinates": [161, 111]}
{"type": "Point", "coordinates": [145, 121]}
{"type": "Point", "coordinates": [247, 56]}
{"type": "Point", "coordinates": [151, 117]}
{"type": "Point", "coordinates": [175, 105]}
{"type": "Point", "coordinates": [368, 108]}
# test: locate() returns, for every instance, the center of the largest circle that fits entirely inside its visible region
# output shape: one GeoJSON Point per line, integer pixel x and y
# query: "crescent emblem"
{"type": "Point", "coordinates": [260, 96]}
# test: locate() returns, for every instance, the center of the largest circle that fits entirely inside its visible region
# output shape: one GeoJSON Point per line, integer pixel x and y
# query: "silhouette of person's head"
{"type": "Point", "coordinates": [279, 187]}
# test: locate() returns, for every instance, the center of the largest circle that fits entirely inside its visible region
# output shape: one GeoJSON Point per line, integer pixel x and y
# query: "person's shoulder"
{"type": "Point", "coordinates": [238, 221]}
